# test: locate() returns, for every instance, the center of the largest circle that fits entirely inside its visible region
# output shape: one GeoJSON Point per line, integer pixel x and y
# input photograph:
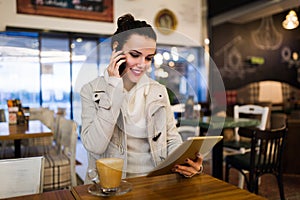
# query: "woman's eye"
{"type": "Point", "coordinates": [134, 55]}
{"type": "Point", "coordinates": [149, 58]}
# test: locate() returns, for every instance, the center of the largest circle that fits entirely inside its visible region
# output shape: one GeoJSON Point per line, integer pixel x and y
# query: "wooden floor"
{"type": "Point", "coordinates": [268, 187]}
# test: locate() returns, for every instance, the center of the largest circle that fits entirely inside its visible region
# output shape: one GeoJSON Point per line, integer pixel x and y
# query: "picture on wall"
{"type": "Point", "coordinates": [96, 10]}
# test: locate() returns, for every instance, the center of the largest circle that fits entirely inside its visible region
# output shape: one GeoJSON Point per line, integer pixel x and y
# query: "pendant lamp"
{"type": "Point", "coordinates": [291, 21]}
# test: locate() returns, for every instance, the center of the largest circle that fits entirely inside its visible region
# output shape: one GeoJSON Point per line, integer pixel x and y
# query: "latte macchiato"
{"type": "Point", "coordinates": [110, 173]}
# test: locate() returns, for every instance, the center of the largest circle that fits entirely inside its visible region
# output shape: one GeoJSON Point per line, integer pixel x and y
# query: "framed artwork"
{"type": "Point", "coordinates": [165, 21]}
{"type": "Point", "coordinates": [96, 10]}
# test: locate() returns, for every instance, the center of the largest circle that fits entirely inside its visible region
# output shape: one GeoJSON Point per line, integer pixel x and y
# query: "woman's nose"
{"type": "Point", "coordinates": [142, 62]}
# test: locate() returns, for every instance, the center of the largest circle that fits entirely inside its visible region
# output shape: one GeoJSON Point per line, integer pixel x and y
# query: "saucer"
{"type": "Point", "coordinates": [123, 189]}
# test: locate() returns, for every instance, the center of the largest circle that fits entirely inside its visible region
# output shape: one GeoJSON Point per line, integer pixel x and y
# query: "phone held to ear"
{"type": "Point", "coordinates": [122, 68]}
{"type": "Point", "coordinates": [123, 65]}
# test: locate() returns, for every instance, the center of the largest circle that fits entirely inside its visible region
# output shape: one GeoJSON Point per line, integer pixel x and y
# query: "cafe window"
{"type": "Point", "coordinates": [42, 68]}
{"type": "Point", "coordinates": [19, 68]}
{"type": "Point", "coordinates": [55, 72]}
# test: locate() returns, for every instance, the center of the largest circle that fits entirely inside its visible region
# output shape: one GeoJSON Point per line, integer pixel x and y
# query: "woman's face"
{"type": "Point", "coordinates": [139, 51]}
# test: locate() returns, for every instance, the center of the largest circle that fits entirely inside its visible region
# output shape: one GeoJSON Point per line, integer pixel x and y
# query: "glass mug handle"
{"type": "Point", "coordinates": [93, 175]}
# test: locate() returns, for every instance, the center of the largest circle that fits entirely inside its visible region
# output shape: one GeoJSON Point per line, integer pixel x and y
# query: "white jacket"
{"type": "Point", "coordinates": [102, 121]}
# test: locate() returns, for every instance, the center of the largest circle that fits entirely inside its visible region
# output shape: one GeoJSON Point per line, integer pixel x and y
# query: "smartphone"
{"type": "Point", "coordinates": [123, 65]}
{"type": "Point", "coordinates": [122, 68]}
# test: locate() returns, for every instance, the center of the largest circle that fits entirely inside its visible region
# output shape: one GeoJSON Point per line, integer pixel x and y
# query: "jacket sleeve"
{"type": "Point", "coordinates": [101, 103]}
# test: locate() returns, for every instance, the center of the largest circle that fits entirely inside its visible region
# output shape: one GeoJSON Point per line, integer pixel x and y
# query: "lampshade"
{"type": "Point", "coordinates": [291, 20]}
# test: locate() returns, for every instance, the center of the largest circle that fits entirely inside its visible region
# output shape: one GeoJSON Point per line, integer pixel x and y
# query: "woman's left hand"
{"type": "Point", "coordinates": [191, 168]}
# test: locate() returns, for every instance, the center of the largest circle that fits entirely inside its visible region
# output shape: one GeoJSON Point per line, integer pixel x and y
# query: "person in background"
{"type": "Point", "coordinates": [125, 113]}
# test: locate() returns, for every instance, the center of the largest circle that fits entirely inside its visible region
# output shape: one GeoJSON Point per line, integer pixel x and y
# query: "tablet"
{"type": "Point", "coordinates": [188, 149]}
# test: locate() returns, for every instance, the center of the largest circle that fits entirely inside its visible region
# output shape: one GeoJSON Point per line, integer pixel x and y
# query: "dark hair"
{"type": "Point", "coordinates": [128, 26]}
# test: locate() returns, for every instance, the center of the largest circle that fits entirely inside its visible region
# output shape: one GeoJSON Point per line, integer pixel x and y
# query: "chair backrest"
{"type": "Point", "coordinates": [278, 120]}
{"type": "Point", "coordinates": [178, 108]}
{"type": "Point", "coordinates": [67, 133]}
{"type": "Point", "coordinates": [48, 118]}
{"type": "Point", "coordinates": [36, 113]}
{"type": "Point", "coordinates": [260, 111]}
{"type": "Point", "coordinates": [266, 150]}
{"type": "Point", "coordinates": [2, 115]}
{"type": "Point", "coordinates": [61, 111]}
{"type": "Point", "coordinates": [55, 129]}
{"type": "Point", "coordinates": [22, 176]}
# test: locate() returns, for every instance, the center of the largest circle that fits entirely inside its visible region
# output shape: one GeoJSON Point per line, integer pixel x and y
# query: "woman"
{"type": "Point", "coordinates": [125, 113]}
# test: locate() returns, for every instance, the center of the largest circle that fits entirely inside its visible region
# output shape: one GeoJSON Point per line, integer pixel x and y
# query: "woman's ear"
{"type": "Point", "coordinates": [115, 45]}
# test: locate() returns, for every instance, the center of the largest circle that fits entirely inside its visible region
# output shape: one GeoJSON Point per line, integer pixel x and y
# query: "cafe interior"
{"type": "Point", "coordinates": [231, 68]}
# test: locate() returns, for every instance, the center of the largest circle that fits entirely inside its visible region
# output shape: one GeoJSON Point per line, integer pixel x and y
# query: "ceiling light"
{"type": "Point", "coordinates": [291, 20]}
{"type": "Point", "coordinates": [79, 39]}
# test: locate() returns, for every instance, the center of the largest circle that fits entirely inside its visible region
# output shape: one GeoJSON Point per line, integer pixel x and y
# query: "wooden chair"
{"type": "Point", "coordinates": [22, 176]}
{"type": "Point", "coordinates": [60, 162]}
{"type": "Point", "coordinates": [6, 149]}
{"type": "Point", "coordinates": [265, 157]}
{"type": "Point", "coordinates": [237, 146]}
{"type": "Point", "coordinates": [2, 119]}
{"type": "Point", "coordinates": [179, 109]}
{"type": "Point", "coordinates": [40, 146]}
{"type": "Point", "coordinates": [2, 115]}
{"type": "Point", "coordinates": [241, 146]}
{"type": "Point", "coordinates": [278, 120]}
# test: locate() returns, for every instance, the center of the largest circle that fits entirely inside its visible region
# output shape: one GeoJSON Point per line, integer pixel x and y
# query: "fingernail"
{"type": "Point", "coordinates": [174, 170]}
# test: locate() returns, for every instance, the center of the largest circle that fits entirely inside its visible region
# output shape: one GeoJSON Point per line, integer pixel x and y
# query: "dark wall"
{"type": "Point", "coordinates": [216, 7]}
{"type": "Point", "coordinates": [232, 44]}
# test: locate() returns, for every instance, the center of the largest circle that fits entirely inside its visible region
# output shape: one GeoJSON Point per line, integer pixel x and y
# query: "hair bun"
{"type": "Point", "coordinates": [125, 19]}
{"type": "Point", "coordinates": [127, 22]}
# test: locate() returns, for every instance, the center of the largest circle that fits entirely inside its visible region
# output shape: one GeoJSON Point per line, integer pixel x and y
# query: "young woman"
{"type": "Point", "coordinates": [125, 113]}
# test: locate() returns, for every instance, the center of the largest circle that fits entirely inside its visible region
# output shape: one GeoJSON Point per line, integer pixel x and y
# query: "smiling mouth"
{"type": "Point", "coordinates": [136, 72]}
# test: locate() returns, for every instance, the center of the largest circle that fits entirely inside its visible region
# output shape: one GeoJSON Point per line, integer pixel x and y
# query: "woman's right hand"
{"type": "Point", "coordinates": [117, 58]}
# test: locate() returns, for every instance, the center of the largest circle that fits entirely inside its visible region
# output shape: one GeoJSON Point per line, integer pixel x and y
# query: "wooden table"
{"type": "Point", "coordinates": [16, 132]}
{"type": "Point", "coordinates": [53, 195]}
{"type": "Point", "coordinates": [215, 126]}
{"type": "Point", "coordinates": [174, 186]}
